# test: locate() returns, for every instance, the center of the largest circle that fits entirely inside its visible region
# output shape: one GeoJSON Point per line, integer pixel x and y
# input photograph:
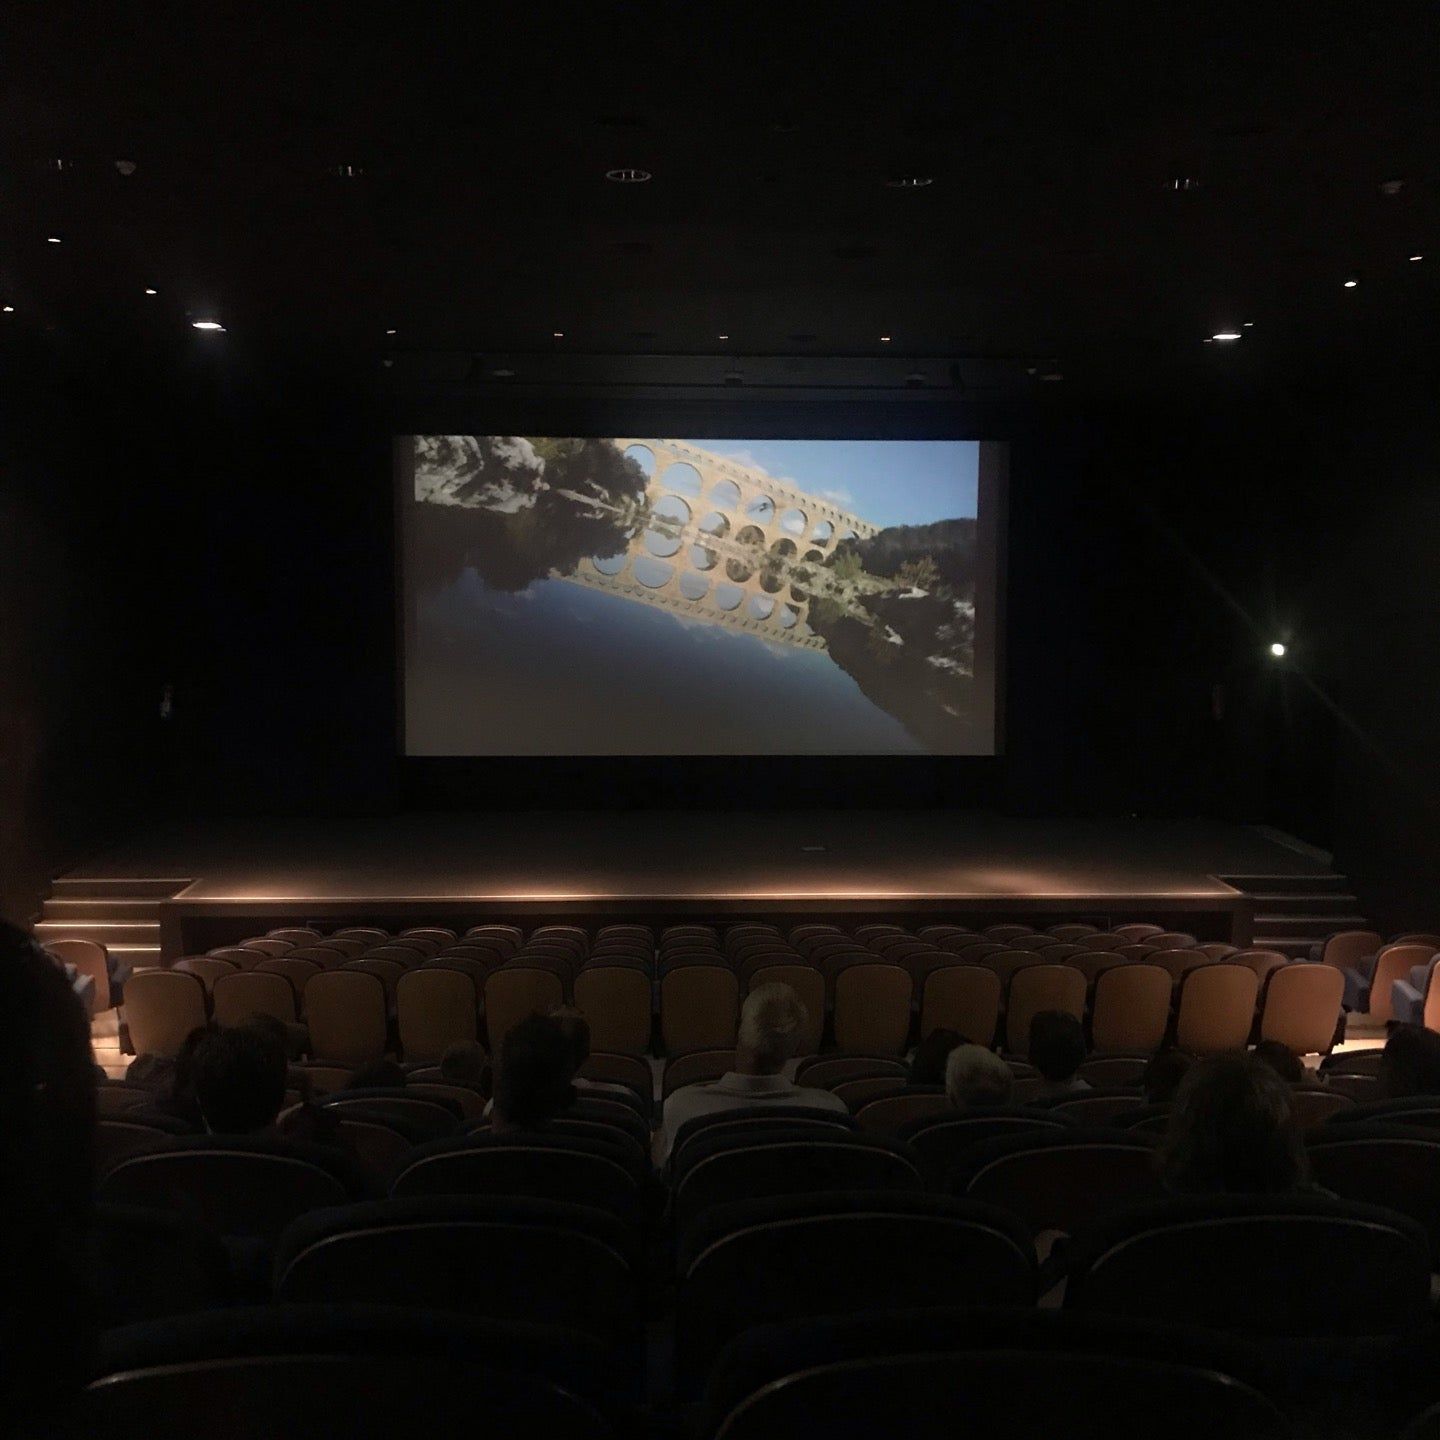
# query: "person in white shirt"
{"type": "Point", "coordinates": [772, 1020]}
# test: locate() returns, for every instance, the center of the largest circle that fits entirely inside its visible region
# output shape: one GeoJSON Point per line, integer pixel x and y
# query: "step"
{"type": "Point", "coordinates": [1324, 883]}
{"type": "Point", "coordinates": [1318, 927]}
{"type": "Point", "coordinates": [1294, 945]}
{"type": "Point", "coordinates": [1275, 903]}
{"type": "Point", "coordinates": [91, 908]}
{"type": "Point", "coordinates": [110, 933]}
{"type": "Point", "coordinates": [69, 887]}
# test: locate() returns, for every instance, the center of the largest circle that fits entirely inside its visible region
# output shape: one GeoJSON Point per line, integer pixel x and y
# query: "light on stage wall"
{"type": "Point", "coordinates": [1277, 649]}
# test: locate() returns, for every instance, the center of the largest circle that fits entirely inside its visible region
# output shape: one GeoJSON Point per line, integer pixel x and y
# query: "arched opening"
{"type": "Point", "coordinates": [668, 518]}
{"type": "Point", "coordinates": [728, 597]}
{"type": "Point", "coordinates": [725, 495]}
{"type": "Point", "coordinates": [793, 522]}
{"type": "Point", "coordinates": [644, 457]}
{"type": "Point", "coordinates": [761, 606]}
{"type": "Point", "coordinates": [683, 479]}
{"type": "Point", "coordinates": [761, 510]}
{"type": "Point", "coordinates": [822, 532]}
{"type": "Point", "coordinates": [693, 586]}
{"type": "Point", "coordinates": [610, 564]}
{"type": "Point", "coordinates": [652, 573]}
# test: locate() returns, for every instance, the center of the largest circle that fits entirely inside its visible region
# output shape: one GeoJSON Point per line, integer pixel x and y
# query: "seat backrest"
{"type": "Point", "coordinates": [326, 957]}
{"type": "Point", "coordinates": [1036, 988]}
{"type": "Point", "coordinates": [1077, 932]}
{"type": "Point", "coordinates": [1301, 1006]}
{"type": "Point", "coordinates": [1114, 1071]}
{"type": "Point", "coordinates": [964, 998]}
{"type": "Point", "coordinates": [162, 1007]}
{"type": "Point", "coordinates": [1261, 961]}
{"type": "Point", "coordinates": [1060, 1179]}
{"type": "Point", "coordinates": [740, 1124]}
{"type": "Point", "coordinates": [1091, 963]}
{"type": "Point", "coordinates": [872, 1007]}
{"type": "Point", "coordinates": [824, 1072]}
{"type": "Point", "coordinates": [1006, 931]}
{"type": "Point", "coordinates": [772, 1260]}
{"type": "Point", "coordinates": [298, 972]}
{"type": "Point", "coordinates": [246, 993]}
{"type": "Point", "coordinates": [940, 1140]}
{"type": "Point", "coordinates": [1397, 1166]}
{"type": "Point", "coordinates": [699, 1007]}
{"type": "Point", "coordinates": [1262, 1264]}
{"type": "Point", "coordinates": [695, 1068]}
{"type": "Point", "coordinates": [434, 1009]}
{"type": "Point", "coordinates": [861, 1089]}
{"type": "Point", "coordinates": [423, 1117]}
{"type": "Point", "coordinates": [1393, 963]}
{"type": "Point", "coordinates": [1177, 963]}
{"type": "Point", "coordinates": [1217, 1008]}
{"type": "Point", "coordinates": [1315, 1104]}
{"type": "Point", "coordinates": [1132, 1007]}
{"type": "Point", "coordinates": [515, 991]}
{"type": "Point", "coordinates": [268, 945]}
{"type": "Point", "coordinates": [146, 1264]}
{"type": "Point", "coordinates": [118, 1137]}
{"type": "Point", "coordinates": [349, 946]}
{"type": "Point", "coordinates": [1136, 931]}
{"type": "Point", "coordinates": [722, 1168]}
{"type": "Point", "coordinates": [1346, 948]}
{"type": "Point", "coordinates": [89, 957]}
{"type": "Point", "coordinates": [615, 1000]}
{"type": "Point", "coordinates": [807, 983]}
{"type": "Point", "coordinates": [296, 934]}
{"type": "Point", "coordinates": [209, 968]}
{"type": "Point", "coordinates": [346, 1014]}
{"type": "Point", "coordinates": [1036, 940]}
{"type": "Point", "coordinates": [890, 1114]}
{"type": "Point", "coordinates": [1099, 1107]}
{"type": "Point", "coordinates": [237, 1188]}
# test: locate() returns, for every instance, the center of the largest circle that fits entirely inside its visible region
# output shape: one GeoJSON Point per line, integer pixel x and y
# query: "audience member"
{"type": "Point", "coordinates": [1163, 1073]}
{"type": "Point", "coordinates": [47, 1157]}
{"type": "Point", "coordinates": [384, 1074]}
{"type": "Point", "coordinates": [1233, 1130]}
{"type": "Point", "coordinates": [1410, 1064]}
{"type": "Point", "coordinates": [927, 1064]}
{"type": "Point", "coordinates": [533, 1081]}
{"type": "Point", "coordinates": [977, 1076]}
{"type": "Point", "coordinates": [1282, 1060]}
{"type": "Point", "coordinates": [239, 1080]}
{"type": "Point", "coordinates": [1057, 1051]}
{"type": "Point", "coordinates": [466, 1063]}
{"type": "Point", "coordinates": [772, 1021]}
{"type": "Point", "coordinates": [577, 1031]}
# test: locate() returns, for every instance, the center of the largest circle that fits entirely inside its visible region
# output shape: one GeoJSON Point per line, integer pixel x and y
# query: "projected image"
{"type": "Point", "coordinates": [653, 596]}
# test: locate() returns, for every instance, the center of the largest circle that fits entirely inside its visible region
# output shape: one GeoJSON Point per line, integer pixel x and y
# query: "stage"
{"type": "Point", "coordinates": [209, 882]}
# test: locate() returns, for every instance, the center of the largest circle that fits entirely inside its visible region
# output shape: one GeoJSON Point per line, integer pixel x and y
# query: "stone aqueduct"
{"type": "Point", "coordinates": [696, 563]}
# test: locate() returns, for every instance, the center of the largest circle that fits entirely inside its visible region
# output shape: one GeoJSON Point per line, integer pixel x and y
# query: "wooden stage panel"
{"type": "Point", "coordinates": [858, 863]}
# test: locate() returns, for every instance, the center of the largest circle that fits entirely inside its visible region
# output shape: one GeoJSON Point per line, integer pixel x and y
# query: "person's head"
{"type": "Point", "coordinates": [1057, 1045]}
{"type": "Point", "coordinates": [377, 1075]}
{"type": "Point", "coordinates": [1233, 1130]}
{"type": "Point", "coordinates": [1281, 1059]}
{"type": "Point", "coordinates": [772, 1020]}
{"type": "Point", "coordinates": [977, 1076]}
{"type": "Point", "coordinates": [239, 1080]}
{"type": "Point", "coordinates": [466, 1063]}
{"type": "Point", "coordinates": [927, 1065]}
{"type": "Point", "coordinates": [1410, 1064]}
{"type": "Point", "coordinates": [577, 1031]}
{"type": "Point", "coordinates": [533, 1083]}
{"type": "Point", "coordinates": [1163, 1073]}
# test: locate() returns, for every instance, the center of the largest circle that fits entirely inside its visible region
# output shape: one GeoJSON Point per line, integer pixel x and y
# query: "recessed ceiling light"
{"type": "Point", "coordinates": [1248, 325]}
{"type": "Point", "coordinates": [557, 334]}
{"type": "Point", "coordinates": [7, 309]}
{"type": "Point", "coordinates": [149, 291]}
{"type": "Point", "coordinates": [1351, 283]}
{"type": "Point", "coordinates": [503, 373]}
{"type": "Point", "coordinates": [1226, 335]}
{"type": "Point", "coordinates": [1278, 649]}
{"type": "Point", "coordinates": [884, 339]}
{"type": "Point", "coordinates": [909, 182]}
{"type": "Point", "coordinates": [722, 337]}
{"type": "Point", "coordinates": [1416, 257]}
{"type": "Point", "coordinates": [207, 325]}
{"type": "Point", "coordinates": [389, 332]}
{"type": "Point", "coordinates": [52, 239]}
{"type": "Point", "coordinates": [628, 175]}
{"type": "Point", "coordinates": [1183, 184]}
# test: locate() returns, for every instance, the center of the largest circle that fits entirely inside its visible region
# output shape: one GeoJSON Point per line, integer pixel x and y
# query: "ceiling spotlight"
{"type": "Point", "coordinates": [1351, 283]}
{"type": "Point", "coordinates": [126, 167]}
{"type": "Point", "coordinates": [1413, 258]}
{"type": "Point", "coordinates": [909, 182]}
{"type": "Point", "coordinates": [557, 334]}
{"type": "Point", "coordinates": [389, 332]}
{"type": "Point", "coordinates": [52, 239]}
{"type": "Point", "coordinates": [503, 373]}
{"type": "Point", "coordinates": [1277, 649]}
{"type": "Point", "coordinates": [207, 325]}
{"type": "Point", "coordinates": [1226, 335]}
{"type": "Point", "coordinates": [1248, 325]}
{"type": "Point", "coordinates": [1182, 184]}
{"type": "Point", "coordinates": [149, 291]}
{"type": "Point", "coordinates": [7, 309]}
{"type": "Point", "coordinates": [722, 337]}
{"type": "Point", "coordinates": [628, 175]}
{"type": "Point", "coordinates": [884, 339]}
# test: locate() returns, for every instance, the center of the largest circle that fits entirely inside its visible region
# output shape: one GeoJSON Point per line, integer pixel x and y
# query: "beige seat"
{"type": "Point", "coordinates": [1131, 1009]}
{"type": "Point", "coordinates": [89, 957]}
{"type": "Point", "coordinates": [1394, 963]}
{"type": "Point", "coordinates": [161, 1008]}
{"type": "Point", "coordinates": [1177, 963]}
{"type": "Point", "coordinates": [348, 947]}
{"type": "Point", "coordinates": [1092, 963]}
{"type": "Point", "coordinates": [695, 1068]}
{"type": "Point", "coordinates": [889, 1113]}
{"type": "Point", "coordinates": [298, 972]}
{"type": "Point", "coordinates": [1219, 949]}
{"type": "Point", "coordinates": [427, 945]}
{"type": "Point", "coordinates": [1074, 931]}
{"type": "Point", "coordinates": [615, 1000]}
{"type": "Point", "coordinates": [1008, 963]}
{"type": "Point", "coordinates": [325, 956]}
{"type": "Point", "coordinates": [1134, 950]}
{"type": "Point", "coordinates": [865, 1088]}
{"type": "Point", "coordinates": [1262, 962]}
{"type": "Point", "coordinates": [1037, 940]}
{"type": "Point", "coordinates": [515, 991]}
{"type": "Point", "coordinates": [508, 937]}
{"type": "Point", "coordinates": [1217, 1008]}
{"type": "Point", "coordinates": [1137, 931]}
{"type": "Point", "coordinates": [825, 1072]}
{"type": "Point", "coordinates": [248, 993]}
{"type": "Point", "coordinates": [1347, 948]}
{"type": "Point", "coordinates": [471, 1102]}
{"type": "Point", "coordinates": [209, 968]}
{"type": "Point", "coordinates": [295, 934]}
{"type": "Point", "coordinates": [1315, 1104]}
{"type": "Point", "coordinates": [267, 945]}
{"type": "Point", "coordinates": [442, 935]}
{"type": "Point", "coordinates": [387, 971]}
{"type": "Point", "coordinates": [1007, 932]}
{"type": "Point", "coordinates": [1301, 1007]}
{"type": "Point", "coordinates": [434, 1009]}
{"type": "Point", "coordinates": [963, 998]}
{"type": "Point", "coordinates": [1036, 988]}
{"type": "Point", "coordinates": [1171, 940]}
{"type": "Point", "coordinates": [809, 984]}
{"type": "Point", "coordinates": [406, 956]}
{"type": "Point", "coordinates": [699, 1008]}
{"type": "Point", "coordinates": [872, 1008]}
{"type": "Point", "coordinates": [369, 934]}
{"type": "Point", "coordinates": [245, 959]}
{"type": "Point", "coordinates": [346, 1013]}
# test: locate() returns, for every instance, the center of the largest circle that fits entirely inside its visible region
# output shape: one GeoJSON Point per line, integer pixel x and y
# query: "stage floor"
{"type": "Point", "coordinates": [878, 863]}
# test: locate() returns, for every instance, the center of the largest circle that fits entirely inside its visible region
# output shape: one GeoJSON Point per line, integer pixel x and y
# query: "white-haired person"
{"type": "Point", "coordinates": [772, 1020]}
{"type": "Point", "coordinates": [977, 1076]}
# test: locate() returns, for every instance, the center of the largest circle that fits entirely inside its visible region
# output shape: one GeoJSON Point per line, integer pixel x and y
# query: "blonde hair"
{"type": "Point", "coordinates": [977, 1076]}
{"type": "Point", "coordinates": [771, 1022]}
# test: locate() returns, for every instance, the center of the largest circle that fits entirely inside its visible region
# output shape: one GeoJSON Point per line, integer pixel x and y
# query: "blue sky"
{"type": "Point", "coordinates": [887, 482]}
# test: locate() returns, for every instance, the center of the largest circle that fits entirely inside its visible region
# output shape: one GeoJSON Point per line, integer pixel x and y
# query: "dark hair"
{"type": "Point", "coordinates": [466, 1063]}
{"type": "Point", "coordinates": [1057, 1044]}
{"type": "Point", "coordinates": [1163, 1073]}
{"type": "Point", "coordinates": [536, 1063]}
{"type": "Point", "coordinates": [1281, 1059]}
{"type": "Point", "coordinates": [378, 1075]}
{"type": "Point", "coordinates": [1233, 1130]}
{"type": "Point", "coordinates": [576, 1029]}
{"type": "Point", "coordinates": [927, 1065]}
{"type": "Point", "coordinates": [239, 1080]}
{"type": "Point", "coordinates": [1410, 1064]}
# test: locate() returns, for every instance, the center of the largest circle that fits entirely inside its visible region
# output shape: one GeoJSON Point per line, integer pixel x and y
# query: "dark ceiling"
{"type": "Point", "coordinates": [1050, 239]}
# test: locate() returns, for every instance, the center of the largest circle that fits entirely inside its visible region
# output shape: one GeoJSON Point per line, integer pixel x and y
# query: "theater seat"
{"type": "Point", "coordinates": [938, 1141]}
{"type": "Point", "coordinates": [1258, 1264]}
{"type": "Point", "coordinates": [368, 1372]}
{"type": "Point", "coordinates": [760, 1261]}
{"type": "Point", "coordinates": [1397, 1166]}
{"type": "Point", "coordinates": [162, 1007]}
{"type": "Point", "coordinates": [150, 1263]}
